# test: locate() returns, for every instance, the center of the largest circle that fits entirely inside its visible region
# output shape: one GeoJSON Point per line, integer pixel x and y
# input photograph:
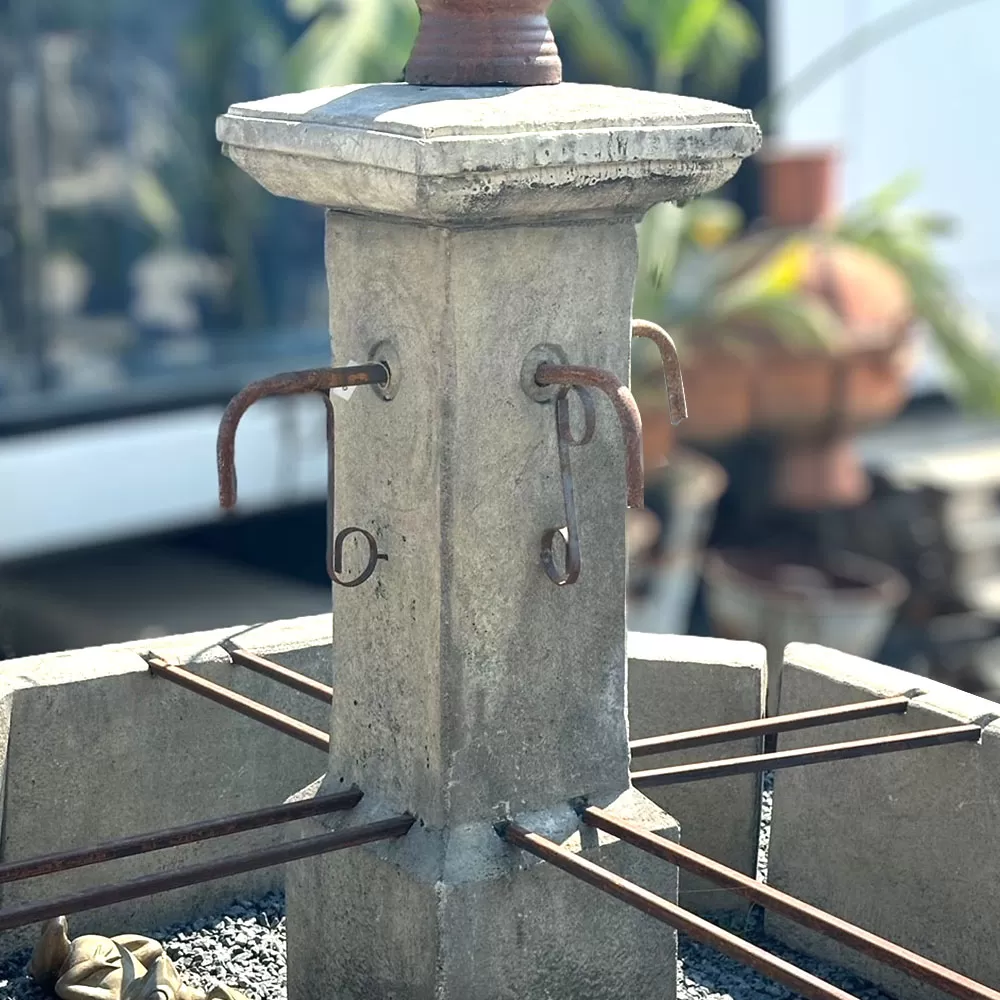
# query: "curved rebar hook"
{"type": "Point", "coordinates": [676, 397]}
{"type": "Point", "coordinates": [313, 380]}
{"type": "Point", "coordinates": [625, 407]}
{"type": "Point", "coordinates": [319, 380]}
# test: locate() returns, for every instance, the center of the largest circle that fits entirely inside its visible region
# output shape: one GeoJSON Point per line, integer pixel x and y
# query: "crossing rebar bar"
{"type": "Point", "coordinates": [808, 755]}
{"type": "Point", "coordinates": [150, 885]}
{"type": "Point", "coordinates": [760, 727]}
{"type": "Point", "coordinates": [772, 899]}
{"type": "Point", "coordinates": [184, 678]}
{"type": "Point", "coordinates": [672, 915]}
{"type": "Point", "coordinates": [126, 847]}
{"type": "Point", "coordinates": [276, 672]}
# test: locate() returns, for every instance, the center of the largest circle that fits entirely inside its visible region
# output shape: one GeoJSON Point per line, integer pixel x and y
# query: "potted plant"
{"type": "Point", "coordinates": [803, 329]}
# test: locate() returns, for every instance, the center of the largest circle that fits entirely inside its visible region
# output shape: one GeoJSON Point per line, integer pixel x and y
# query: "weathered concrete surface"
{"type": "Point", "coordinates": [474, 156]}
{"type": "Point", "coordinates": [451, 916]}
{"type": "Point", "coordinates": [98, 749]}
{"type": "Point", "coordinates": [467, 684]}
{"type": "Point", "coordinates": [906, 845]}
{"type": "Point", "coordinates": [676, 683]}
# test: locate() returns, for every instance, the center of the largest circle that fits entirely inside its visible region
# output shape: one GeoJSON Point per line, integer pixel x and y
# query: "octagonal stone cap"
{"type": "Point", "coordinates": [481, 156]}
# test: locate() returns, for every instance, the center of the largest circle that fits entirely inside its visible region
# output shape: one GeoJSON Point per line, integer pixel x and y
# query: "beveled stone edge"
{"type": "Point", "coordinates": [453, 155]}
{"type": "Point", "coordinates": [480, 199]}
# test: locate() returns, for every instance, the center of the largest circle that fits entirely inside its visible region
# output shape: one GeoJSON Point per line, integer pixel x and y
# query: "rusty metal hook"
{"type": "Point", "coordinates": [570, 533]}
{"type": "Point", "coordinates": [319, 381]}
{"type": "Point", "coordinates": [676, 396]}
{"type": "Point", "coordinates": [625, 406]}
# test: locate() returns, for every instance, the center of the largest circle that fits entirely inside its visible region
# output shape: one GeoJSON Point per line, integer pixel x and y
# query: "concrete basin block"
{"type": "Point", "coordinates": [906, 845]}
{"type": "Point", "coordinates": [677, 683]}
{"type": "Point", "coordinates": [94, 748]}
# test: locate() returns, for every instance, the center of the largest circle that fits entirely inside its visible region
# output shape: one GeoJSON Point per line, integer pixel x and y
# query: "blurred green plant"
{"type": "Point", "coordinates": [360, 41]}
{"type": "Point", "coordinates": [708, 40]}
{"type": "Point", "coordinates": [350, 41]}
{"type": "Point", "coordinates": [907, 241]}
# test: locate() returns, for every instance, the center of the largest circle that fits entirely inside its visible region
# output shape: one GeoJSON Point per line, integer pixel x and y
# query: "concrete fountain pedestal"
{"type": "Point", "coordinates": [466, 227]}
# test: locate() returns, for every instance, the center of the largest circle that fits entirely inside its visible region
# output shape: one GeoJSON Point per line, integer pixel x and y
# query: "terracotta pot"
{"type": "Point", "coordinates": [799, 188]}
{"type": "Point", "coordinates": [794, 392]}
{"type": "Point", "coordinates": [482, 43]}
{"type": "Point", "coordinates": [809, 397]}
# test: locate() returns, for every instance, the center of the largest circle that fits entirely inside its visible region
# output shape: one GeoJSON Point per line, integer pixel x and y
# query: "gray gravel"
{"type": "Point", "coordinates": [245, 948]}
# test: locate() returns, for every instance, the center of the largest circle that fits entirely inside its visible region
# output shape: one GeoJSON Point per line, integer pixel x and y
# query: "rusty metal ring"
{"type": "Point", "coordinates": [565, 429]}
{"type": "Point", "coordinates": [338, 557]}
{"type": "Point", "coordinates": [570, 532]}
{"type": "Point", "coordinates": [574, 561]}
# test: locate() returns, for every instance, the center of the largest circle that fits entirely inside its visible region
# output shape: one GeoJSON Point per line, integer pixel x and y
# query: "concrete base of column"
{"type": "Point", "coordinates": [463, 916]}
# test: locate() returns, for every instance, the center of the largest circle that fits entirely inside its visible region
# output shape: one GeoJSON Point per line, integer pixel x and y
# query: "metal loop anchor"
{"type": "Point", "coordinates": [676, 397]}
{"type": "Point", "coordinates": [570, 533]}
{"type": "Point", "coordinates": [319, 381]}
{"type": "Point", "coordinates": [335, 557]}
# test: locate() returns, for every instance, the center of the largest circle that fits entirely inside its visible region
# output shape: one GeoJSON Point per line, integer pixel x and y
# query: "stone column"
{"type": "Point", "coordinates": [465, 228]}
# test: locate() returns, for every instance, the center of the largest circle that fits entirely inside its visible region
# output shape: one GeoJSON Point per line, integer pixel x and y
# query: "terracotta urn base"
{"type": "Point", "coordinates": [484, 43]}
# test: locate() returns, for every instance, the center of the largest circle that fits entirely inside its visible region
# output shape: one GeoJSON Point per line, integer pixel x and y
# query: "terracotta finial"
{"type": "Point", "coordinates": [483, 43]}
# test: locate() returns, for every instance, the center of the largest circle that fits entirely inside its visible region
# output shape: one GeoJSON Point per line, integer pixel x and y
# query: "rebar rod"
{"type": "Point", "coordinates": [760, 727]}
{"type": "Point", "coordinates": [276, 672]}
{"type": "Point", "coordinates": [309, 735]}
{"type": "Point", "coordinates": [625, 407]}
{"type": "Point", "coordinates": [672, 915]}
{"type": "Point", "coordinates": [126, 847]}
{"type": "Point", "coordinates": [776, 901]}
{"type": "Point", "coordinates": [287, 384]}
{"type": "Point", "coordinates": [676, 397]}
{"type": "Point", "coordinates": [150, 885]}
{"type": "Point", "coordinates": [808, 755]}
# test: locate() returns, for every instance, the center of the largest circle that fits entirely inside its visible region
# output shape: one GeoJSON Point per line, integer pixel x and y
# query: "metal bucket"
{"type": "Point", "coordinates": [847, 604]}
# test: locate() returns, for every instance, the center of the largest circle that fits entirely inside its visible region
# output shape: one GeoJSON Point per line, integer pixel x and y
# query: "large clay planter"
{"type": "Point", "coordinates": [482, 43]}
{"type": "Point", "coordinates": [863, 379]}
{"type": "Point", "coordinates": [811, 400]}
